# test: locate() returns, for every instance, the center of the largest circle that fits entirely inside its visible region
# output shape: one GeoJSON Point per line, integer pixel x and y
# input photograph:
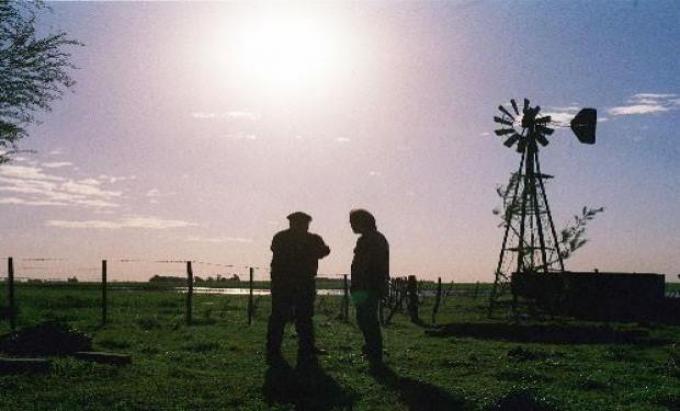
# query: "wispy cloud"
{"type": "Point", "coordinates": [137, 222]}
{"type": "Point", "coordinates": [562, 114]}
{"type": "Point", "coordinates": [637, 109]}
{"type": "Point", "coordinates": [565, 114]}
{"type": "Point", "coordinates": [33, 186]}
{"type": "Point", "coordinates": [243, 136]}
{"type": "Point", "coordinates": [647, 103]}
{"type": "Point", "coordinates": [154, 195]}
{"type": "Point", "coordinates": [225, 115]}
{"type": "Point", "coordinates": [57, 164]}
{"type": "Point", "coordinates": [218, 239]}
{"type": "Point", "coordinates": [27, 173]}
{"type": "Point", "coordinates": [22, 201]}
{"type": "Point", "coordinates": [115, 179]}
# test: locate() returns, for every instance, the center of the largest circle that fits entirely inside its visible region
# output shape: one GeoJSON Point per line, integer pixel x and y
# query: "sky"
{"type": "Point", "coordinates": [195, 128]}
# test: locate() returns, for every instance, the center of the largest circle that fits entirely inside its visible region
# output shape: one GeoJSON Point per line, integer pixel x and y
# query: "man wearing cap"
{"type": "Point", "coordinates": [370, 277]}
{"type": "Point", "coordinates": [295, 261]}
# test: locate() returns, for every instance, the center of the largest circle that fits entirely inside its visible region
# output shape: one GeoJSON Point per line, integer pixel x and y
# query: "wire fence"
{"type": "Point", "coordinates": [110, 285]}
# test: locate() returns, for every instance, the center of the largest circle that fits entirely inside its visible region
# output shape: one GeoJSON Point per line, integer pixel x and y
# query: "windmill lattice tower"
{"type": "Point", "coordinates": [530, 243]}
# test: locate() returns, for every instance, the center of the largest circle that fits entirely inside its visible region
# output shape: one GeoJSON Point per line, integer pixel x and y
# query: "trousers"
{"type": "Point", "coordinates": [296, 303]}
{"type": "Point", "coordinates": [367, 319]}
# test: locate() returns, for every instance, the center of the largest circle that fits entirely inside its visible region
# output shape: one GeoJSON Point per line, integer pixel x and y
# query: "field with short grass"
{"type": "Point", "coordinates": [470, 362]}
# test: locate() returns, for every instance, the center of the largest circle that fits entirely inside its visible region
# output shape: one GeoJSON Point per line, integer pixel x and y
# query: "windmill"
{"type": "Point", "coordinates": [530, 242]}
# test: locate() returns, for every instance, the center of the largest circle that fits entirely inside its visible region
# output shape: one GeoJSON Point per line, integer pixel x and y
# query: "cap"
{"type": "Point", "coordinates": [299, 216]}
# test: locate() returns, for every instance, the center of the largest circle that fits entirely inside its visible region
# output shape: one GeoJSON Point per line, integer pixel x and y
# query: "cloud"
{"type": "Point", "coordinates": [152, 223]}
{"type": "Point", "coordinates": [38, 187]}
{"type": "Point", "coordinates": [655, 95]}
{"type": "Point", "coordinates": [115, 179]}
{"type": "Point", "coordinates": [27, 173]}
{"type": "Point", "coordinates": [21, 201]}
{"type": "Point", "coordinates": [647, 103]}
{"type": "Point", "coordinates": [343, 140]}
{"type": "Point", "coordinates": [562, 115]}
{"type": "Point", "coordinates": [226, 115]}
{"type": "Point", "coordinates": [637, 109]}
{"type": "Point", "coordinates": [218, 239]}
{"type": "Point", "coordinates": [155, 194]}
{"type": "Point", "coordinates": [244, 136]}
{"type": "Point", "coordinates": [57, 164]}
{"type": "Point", "coordinates": [88, 188]}
{"type": "Point", "coordinates": [242, 114]}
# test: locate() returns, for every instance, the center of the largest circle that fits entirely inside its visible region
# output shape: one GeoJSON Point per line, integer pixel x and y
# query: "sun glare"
{"type": "Point", "coordinates": [285, 50]}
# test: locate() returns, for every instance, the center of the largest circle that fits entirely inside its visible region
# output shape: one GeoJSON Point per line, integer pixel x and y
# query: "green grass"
{"type": "Point", "coordinates": [218, 363]}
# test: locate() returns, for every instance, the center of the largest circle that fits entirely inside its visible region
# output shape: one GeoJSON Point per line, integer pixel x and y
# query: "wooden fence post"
{"type": "Point", "coordinates": [345, 298]}
{"type": "Point", "coordinates": [412, 303]}
{"type": "Point", "coordinates": [10, 294]}
{"type": "Point", "coordinates": [190, 291]}
{"type": "Point", "coordinates": [402, 293]}
{"type": "Point", "coordinates": [104, 302]}
{"type": "Point", "coordinates": [250, 297]}
{"type": "Point", "coordinates": [437, 300]}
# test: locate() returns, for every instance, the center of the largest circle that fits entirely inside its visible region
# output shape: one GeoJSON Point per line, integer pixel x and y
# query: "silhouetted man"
{"type": "Point", "coordinates": [370, 276]}
{"type": "Point", "coordinates": [295, 261]}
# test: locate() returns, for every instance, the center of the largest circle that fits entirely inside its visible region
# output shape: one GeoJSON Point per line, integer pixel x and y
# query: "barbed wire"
{"type": "Point", "coordinates": [138, 260]}
{"type": "Point", "coordinates": [65, 271]}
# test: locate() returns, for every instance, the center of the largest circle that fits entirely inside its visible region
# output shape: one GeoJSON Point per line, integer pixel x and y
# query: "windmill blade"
{"type": "Point", "coordinates": [504, 131]}
{"type": "Point", "coordinates": [583, 125]}
{"type": "Point", "coordinates": [526, 105]}
{"type": "Point", "coordinates": [541, 139]}
{"type": "Point", "coordinates": [512, 140]}
{"type": "Point", "coordinates": [502, 121]}
{"type": "Point", "coordinates": [543, 120]}
{"type": "Point", "coordinates": [506, 112]}
{"type": "Point", "coordinates": [544, 130]}
{"type": "Point", "coordinates": [514, 106]}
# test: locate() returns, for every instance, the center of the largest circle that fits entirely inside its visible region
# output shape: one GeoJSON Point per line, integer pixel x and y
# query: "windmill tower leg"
{"type": "Point", "coordinates": [550, 219]}
{"type": "Point", "coordinates": [501, 278]}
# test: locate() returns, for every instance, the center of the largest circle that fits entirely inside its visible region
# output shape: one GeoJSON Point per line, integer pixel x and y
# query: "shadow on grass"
{"type": "Point", "coordinates": [418, 395]}
{"type": "Point", "coordinates": [308, 388]}
{"type": "Point", "coordinates": [546, 333]}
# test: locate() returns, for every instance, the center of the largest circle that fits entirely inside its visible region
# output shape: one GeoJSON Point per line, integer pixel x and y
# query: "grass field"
{"type": "Point", "coordinates": [218, 363]}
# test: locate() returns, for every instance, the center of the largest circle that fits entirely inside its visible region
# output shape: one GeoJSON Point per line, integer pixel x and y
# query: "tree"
{"type": "Point", "coordinates": [34, 71]}
{"type": "Point", "coordinates": [571, 237]}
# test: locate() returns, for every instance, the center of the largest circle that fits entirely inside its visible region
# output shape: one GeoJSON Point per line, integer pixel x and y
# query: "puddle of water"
{"type": "Point", "coordinates": [246, 291]}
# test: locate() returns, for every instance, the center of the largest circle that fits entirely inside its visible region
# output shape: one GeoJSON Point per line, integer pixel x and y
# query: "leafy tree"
{"type": "Point", "coordinates": [570, 238]}
{"type": "Point", "coordinates": [34, 70]}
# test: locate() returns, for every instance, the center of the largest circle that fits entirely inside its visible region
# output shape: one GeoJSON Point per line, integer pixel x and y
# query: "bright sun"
{"type": "Point", "coordinates": [284, 50]}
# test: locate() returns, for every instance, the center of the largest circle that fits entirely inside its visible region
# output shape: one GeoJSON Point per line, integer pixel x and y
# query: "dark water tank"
{"type": "Point", "coordinates": [594, 295]}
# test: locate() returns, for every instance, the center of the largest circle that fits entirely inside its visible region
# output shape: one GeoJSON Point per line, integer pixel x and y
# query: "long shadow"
{"type": "Point", "coordinates": [547, 333]}
{"type": "Point", "coordinates": [419, 395]}
{"type": "Point", "coordinates": [307, 388]}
